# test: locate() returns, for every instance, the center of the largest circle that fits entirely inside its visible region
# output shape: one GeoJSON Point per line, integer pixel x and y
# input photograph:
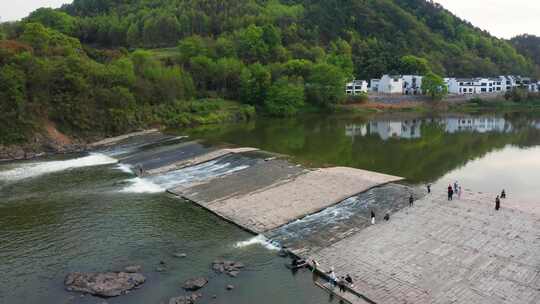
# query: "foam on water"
{"type": "Point", "coordinates": [258, 240]}
{"type": "Point", "coordinates": [161, 183]}
{"type": "Point", "coordinates": [142, 185]}
{"type": "Point", "coordinates": [124, 168]}
{"type": "Point", "coordinates": [40, 168]}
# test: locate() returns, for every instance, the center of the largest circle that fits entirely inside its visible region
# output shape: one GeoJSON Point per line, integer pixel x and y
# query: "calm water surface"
{"type": "Point", "coordinates": [86, 213]}
{"type": "Point", "coordinates": [483, 153]}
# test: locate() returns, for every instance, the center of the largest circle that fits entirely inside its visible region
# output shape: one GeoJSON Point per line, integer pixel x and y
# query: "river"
{"type": "Point", "coordinates": [89, 213]}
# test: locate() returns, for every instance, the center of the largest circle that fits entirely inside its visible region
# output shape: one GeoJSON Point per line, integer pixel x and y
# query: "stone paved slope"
{"type": "Point", "coordinates": [445, 252]}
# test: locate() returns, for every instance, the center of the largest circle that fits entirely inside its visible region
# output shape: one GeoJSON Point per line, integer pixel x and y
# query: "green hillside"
{"type": "Point", "coordinates": [83, 66]}
{"type": "Point", "coordinates": [528, 46]}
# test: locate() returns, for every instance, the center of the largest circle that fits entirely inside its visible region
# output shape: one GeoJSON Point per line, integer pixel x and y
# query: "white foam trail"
{"type": "Point", "coordinates": [124, 168]}
{"type": "Point", "coordinates": [258, 240]}
{"type": "Point", "coordinates": [160, 183]}
{"type": "Point", "coordinates": [141, 185]}
{"type": "Point", "coordinates": [41, 168]}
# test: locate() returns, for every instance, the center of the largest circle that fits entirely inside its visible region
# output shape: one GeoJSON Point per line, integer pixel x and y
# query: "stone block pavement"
{"type": "Point", "coordinates": [445, 252]}
{"type": "Point", "coordinates": [305, 194]}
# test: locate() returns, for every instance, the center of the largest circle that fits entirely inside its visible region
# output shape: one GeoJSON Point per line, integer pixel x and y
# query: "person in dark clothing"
{"type": "Point", "coordinates": [497, 203]}
{"type": "Point", "coordinates": [450, 192]}
{"type": "Point", "coordinates": [411, 201]}
{"type": "Point", "coordinates": [503, 194]}
{"type": "Point", "coordinates": [349, 280]}
{"type": "Point", "coordinates": [341, 284]}
{"type": "Point", "coordinates": [387, 217]}
{"type": "Point", "coordinates": [428, 188]}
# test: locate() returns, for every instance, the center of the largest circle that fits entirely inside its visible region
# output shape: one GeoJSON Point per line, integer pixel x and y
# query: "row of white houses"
{"type": "Point", "coordinates": [412, 85]}
{"type": "Point", "coordinates": [501, 84]}
{"type": "Point", "coordinates": [411, 129]}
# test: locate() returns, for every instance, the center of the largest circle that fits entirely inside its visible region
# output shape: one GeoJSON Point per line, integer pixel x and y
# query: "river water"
{"type": "Point", "coordinates": [89, 213]}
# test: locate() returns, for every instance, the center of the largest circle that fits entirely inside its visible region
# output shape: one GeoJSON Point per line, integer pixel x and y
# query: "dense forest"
{"type": "Point", "coordinates": [109, 66]}
{"type": "Point", "coordinates": [528, 46]}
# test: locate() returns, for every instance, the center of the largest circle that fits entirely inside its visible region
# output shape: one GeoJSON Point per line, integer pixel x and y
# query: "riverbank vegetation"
{"type": "Point", "coordinates": [516, 100]}
{"type": "Point", "coordinates": [110, 66]}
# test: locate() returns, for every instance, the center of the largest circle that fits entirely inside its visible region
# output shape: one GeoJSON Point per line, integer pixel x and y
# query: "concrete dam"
{"type": "Point", "coordinates": [433, 252]}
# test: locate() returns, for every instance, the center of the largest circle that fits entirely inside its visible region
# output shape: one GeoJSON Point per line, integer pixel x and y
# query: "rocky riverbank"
{"type": "Point", "coordinates": [52, 142]}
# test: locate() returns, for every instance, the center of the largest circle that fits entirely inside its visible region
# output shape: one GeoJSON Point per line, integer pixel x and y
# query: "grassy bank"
{"type": "Point", "coordinates": [502, 105]}
{"type": "Point", "coordinates": [203, 112]}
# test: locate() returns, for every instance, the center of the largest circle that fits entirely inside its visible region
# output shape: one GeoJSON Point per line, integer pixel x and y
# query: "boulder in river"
{"type": "Point", "coordinates": [195, 283]}
{"type": "Point", "coordinates": [229, 267]}
{"type": "Point", "coordinates": [191, 299]}
{"type": "Point", "coordinates": [133, 268]}
{"type": "Point", "coordinates": [104, 284]}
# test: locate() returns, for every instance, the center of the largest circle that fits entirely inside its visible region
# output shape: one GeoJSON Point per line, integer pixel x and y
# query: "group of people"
{"type": "Point", "coordinates": [456, 190]}
{"type": "Point", "coordinates": [387, 215]}
{"type": "Point", "coordinates": [341, 282]}
{"type": "Point", "coordinates": [347, 280]}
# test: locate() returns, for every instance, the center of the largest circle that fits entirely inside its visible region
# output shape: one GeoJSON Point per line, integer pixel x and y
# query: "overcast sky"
{"type": "Point", "coordinates": [16, 9]}
{"type": "Point", "coordinates": [503, 18]}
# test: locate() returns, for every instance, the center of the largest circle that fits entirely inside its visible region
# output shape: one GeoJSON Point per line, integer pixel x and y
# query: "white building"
{"type": "Point", "coordinates": [412, 84]}
{"type": "Point", "coordinates": [356, 87]}
{"type": "Point", "coordinates": [466, 86]}
{"type": "Point", "coordinates": [513, 82]}
{"type": "Point", "coordinates": [534, 87]}
{"type": "Point", "coordinates": [374, 85]}
{"type": "Point", "coordinates": [391, 84]}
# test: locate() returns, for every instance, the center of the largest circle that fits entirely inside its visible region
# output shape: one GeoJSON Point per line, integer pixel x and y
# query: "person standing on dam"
{"type": "Point", "coordinates": [372, 217]}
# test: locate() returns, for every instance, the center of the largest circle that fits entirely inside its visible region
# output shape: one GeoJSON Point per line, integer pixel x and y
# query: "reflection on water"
{"type": "Point", "coordinates": [421, 148]}
{"type": "Point", "coordinates": [412, 128]}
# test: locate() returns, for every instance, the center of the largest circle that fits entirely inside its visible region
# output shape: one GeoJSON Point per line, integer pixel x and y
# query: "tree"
{"type": "Point", "coordinates": [252, 46]}
{"type": "Point", "coordinates": [54, 19]}
{"type": "Point", "coordinates": [13, 112]}
{"type": "Point", "coordinates": [412, 65]}
{"type": "Point", "coordinates": [325, 85]}
{"type": "Point", "coordinates": [37, 36]}
{"type": "Point", "coordinates": [298, 67]}
{"type": "Point", "coordinates": [285, 97]}
{"type": "Point", "coordinates": [254, 83]}
{"type": "Point", "coordinates": [341, 56]}
{"type": "Point", "coordinates": [203, 69]}
{"type": "Point", "coordinates": [227, 76]}
{"type": "Point", "coordinates": [192, 46]}
{"type": "Point", "coordinates": [434, 86]}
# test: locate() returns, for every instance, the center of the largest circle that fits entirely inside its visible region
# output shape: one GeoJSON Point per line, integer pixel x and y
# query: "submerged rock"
{"type": "Point", "coordinates": [195, 284]}
{"type": "Point", "coordinates": [233, 273]}
{"type": "Point", "coordinates": [191, 299]}
{"type": "Point", "coordinates": [105, 284]}
{"type": "Point", "coordinates": [133, 268]}
{"type": "Point", "coordinates": [180, 255]}
{"type": "Point", "coordinates": [229, 267]}
{"type": "Point", "coordinates": [230, 287]}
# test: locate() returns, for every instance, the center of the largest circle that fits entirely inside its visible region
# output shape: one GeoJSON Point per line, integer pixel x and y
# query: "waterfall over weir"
{"type": "Point", "coordinates": [334, 223]}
